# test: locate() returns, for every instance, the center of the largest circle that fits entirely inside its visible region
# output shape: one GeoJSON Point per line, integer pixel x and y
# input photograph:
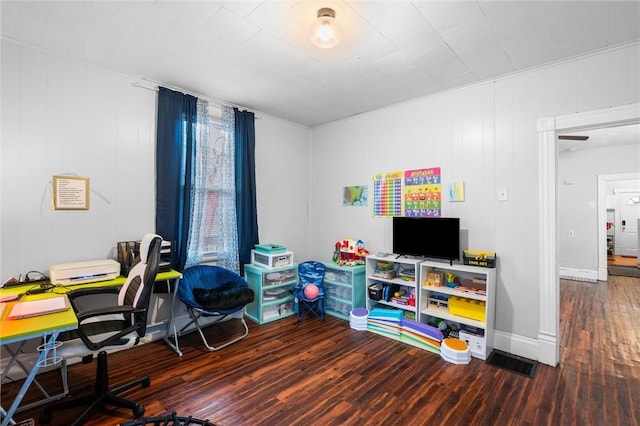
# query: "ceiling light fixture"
{"type": "Point", "coordinates": [325, 31]}
{"type": "Point", "coordinates": [573, 138]}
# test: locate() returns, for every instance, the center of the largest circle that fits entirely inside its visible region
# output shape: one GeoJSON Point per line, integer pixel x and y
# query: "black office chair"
{"type": "Point", "coordinates": [118, 321]}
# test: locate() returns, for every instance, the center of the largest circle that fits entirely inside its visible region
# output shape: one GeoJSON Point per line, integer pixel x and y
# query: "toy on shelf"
{"type": "Point", "coordinates": [452, 280]}
{"type": "Point", "coordinates": [349, 252]}
{"type": "Point", "coordinates": [434, 279]}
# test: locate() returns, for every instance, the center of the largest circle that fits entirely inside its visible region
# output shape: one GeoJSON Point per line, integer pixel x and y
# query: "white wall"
{"type": "Point", "coordinates": [484, 135]}
{"type": "Point", "coordinates": [63, 116]}
{"type": "Point", "coordinates": [578, 198]}
{"type": "Point", "coordinates": [282, 184]}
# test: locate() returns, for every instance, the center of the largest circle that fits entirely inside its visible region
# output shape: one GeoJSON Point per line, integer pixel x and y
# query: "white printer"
{"type": "Point", "coordinates": [84, 272]}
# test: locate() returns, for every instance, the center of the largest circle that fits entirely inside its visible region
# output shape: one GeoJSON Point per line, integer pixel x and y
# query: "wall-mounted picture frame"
{"type": "Point", "coordinates": [70, 193]}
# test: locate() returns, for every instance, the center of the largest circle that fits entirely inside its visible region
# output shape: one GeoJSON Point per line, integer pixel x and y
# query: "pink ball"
{"type": "Point", "coordinates": [311, 291]}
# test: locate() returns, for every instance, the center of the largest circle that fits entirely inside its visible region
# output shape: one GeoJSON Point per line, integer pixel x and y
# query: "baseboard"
{"type": "Point", "coordinates": [514, 344]}
{"type": "Point", "coordinates": [586, 275]}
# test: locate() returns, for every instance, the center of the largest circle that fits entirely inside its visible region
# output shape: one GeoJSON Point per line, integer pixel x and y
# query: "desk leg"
{"type": "Point", "coordinates": [48, 345]}
{"type": "Point", "coordinates": [47, 397]}
{"type": "Point", "coordinates": [3, 415]}
{"type": "Point", "coordinates": [171, 329]}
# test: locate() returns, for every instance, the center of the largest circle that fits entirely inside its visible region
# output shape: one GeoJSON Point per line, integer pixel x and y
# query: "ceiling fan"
{"type": "Point", "coordinates": [573, 137]}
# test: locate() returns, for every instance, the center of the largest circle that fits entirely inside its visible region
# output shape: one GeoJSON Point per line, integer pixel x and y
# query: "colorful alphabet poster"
{"type": "Point", "coordinates": [387, 194]}
{"type": "Point", "coordinates": [422, 192]}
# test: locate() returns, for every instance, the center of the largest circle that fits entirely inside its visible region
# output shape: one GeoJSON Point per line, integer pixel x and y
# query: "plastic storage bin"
{"type": "Point", "coordinates": [266, 260]}
{"type": "Point", "coordinates": [468, 308]}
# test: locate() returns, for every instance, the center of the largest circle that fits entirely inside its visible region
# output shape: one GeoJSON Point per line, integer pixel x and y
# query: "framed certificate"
{"type": "Point", "coordinates": [70, 193]}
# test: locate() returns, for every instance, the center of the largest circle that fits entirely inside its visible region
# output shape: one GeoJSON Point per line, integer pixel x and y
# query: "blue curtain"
{"type": "Point", "coordinates": [175, 148]}
{"type": "Point", "coordinates": [245, 164]}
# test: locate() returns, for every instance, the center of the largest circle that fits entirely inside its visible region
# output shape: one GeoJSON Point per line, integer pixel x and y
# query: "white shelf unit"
{"type": "Point", "coordinates": [477, 333]}
{"type": "Point", "coordinates": [399, 266]}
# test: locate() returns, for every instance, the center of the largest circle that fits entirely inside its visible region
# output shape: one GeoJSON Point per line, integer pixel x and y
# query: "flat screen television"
{"type": "Point", "coordinates": [433, 237]}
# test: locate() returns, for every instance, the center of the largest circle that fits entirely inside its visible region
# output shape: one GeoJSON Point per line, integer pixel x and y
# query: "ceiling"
{"type": "Point", "coordinates": [602, 137]}
{"type": "Point", "coordinates": [256, 53]}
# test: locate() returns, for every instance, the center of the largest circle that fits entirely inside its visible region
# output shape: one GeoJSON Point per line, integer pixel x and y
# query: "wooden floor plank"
{"type": "Point", "coordinates": [313, 373]}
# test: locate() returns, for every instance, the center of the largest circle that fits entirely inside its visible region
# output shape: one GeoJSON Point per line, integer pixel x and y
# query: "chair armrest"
{"type": "Point", "coordinates": [109, 310]}
{"type": "Point", "coordinates": [87, 331]}
{"type": "Point", "coordinates": [74, 294]}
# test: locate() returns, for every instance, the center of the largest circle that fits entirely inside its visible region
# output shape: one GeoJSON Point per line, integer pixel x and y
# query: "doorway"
{"type": "Point", "coordinates": [628, 206]}
{"type": "Point", "coordinates": [609, 213]}
{"type": "Point", "coordinates": [548, 128]}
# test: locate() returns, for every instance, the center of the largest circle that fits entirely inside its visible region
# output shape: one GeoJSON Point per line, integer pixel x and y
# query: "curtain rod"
{"type": "Point", "coordinates": [215, 102]}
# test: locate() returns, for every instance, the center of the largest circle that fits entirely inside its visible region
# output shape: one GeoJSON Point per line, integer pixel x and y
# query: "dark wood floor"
{"type": "Point", "coordinates": [316, 373]}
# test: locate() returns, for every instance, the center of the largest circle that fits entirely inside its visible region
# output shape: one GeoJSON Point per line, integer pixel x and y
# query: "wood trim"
{"type": "Point", "coordinates": [549, 352]}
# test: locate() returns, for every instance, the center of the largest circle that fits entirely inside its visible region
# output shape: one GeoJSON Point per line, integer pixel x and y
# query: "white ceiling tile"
{"type": "Point", "coordinates": [446, 15]}
{"type": "Point", "coordinates": [240, 8]}
{"type": "Point", "coordinates": [484, 65]}
{"type": "Point", "coordinates": [510, 15]}
{"type": "Point", "coordinates": [472, 37]}
{"type": "Point", "coordinates": [535, 50]}
{"type": "Point", "coordinates": [624, 22]}
{"type": "Point", "coordinates": [230, 28]}
{"type": "Point", "coordinates": [276, 17]}
{"type": "Point", "coordinates": [441, 63]}
{"type": "Point", "coordinates": [257, 53]}
{"type": "Point", "coordinates": [193, 13]}
{"type": "Point", "coordinates": [400, 20]}
{"type": "Point", "coordinates": [377, 11]}
{"type": "Point", "coordinates": [515, 20]}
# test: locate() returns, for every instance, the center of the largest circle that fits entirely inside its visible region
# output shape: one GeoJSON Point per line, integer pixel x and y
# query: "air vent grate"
{"type": "Point", "coordinates": [511, 363]}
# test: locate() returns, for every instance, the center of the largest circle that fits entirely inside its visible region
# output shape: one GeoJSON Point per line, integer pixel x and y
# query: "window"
{"type": "Point", "coordinates": [214, 229]}
{"type": "Point", "coordinates": [214, 152]}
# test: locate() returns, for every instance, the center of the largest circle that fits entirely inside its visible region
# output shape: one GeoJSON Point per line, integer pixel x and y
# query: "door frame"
{"type": "Point", "coordinates": [603, 180]}
{"type": "Point", "coordinates": [619, 206]}
{"type": "Point", "coordinates": [547, 129]}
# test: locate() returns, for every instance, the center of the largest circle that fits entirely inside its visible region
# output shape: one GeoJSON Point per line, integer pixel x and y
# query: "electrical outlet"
{"type": "Point", "coordinates": [502, 194]}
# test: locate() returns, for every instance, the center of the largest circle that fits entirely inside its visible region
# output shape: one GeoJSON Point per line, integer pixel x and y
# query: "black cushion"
{"type": "Point", "coordinates": [226, 296]}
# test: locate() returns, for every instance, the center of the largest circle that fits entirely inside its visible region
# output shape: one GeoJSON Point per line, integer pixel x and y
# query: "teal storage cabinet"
{"type": "Point", "coordinates": [344, 288]}
{"type": "Point", "coordinates": [273, 299]}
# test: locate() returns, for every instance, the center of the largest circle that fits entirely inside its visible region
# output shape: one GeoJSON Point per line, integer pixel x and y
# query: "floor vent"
{"type": "Point", "coordinates": [510, 363]}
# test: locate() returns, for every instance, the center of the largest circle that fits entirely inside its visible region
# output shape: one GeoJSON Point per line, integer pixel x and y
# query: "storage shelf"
{"type": "Point", "coordinates": [398, 265]}
{"type": "Point", "coordinates": [445, 315]}
{"type": "Point", "coordinates": [344, 288]}
{"type": "Point", "coordinates": [395, 305]}
{"type": "Point", "coordinates": [398, 281]}
{"type": "Point", "coordinates": [276, 301]}
{"type": "Point", "coordinates": [261, 280]}
{"type": "Point", "coordinates": [478, 334]}
{"type": "Point", "coordinates": [453, 292]}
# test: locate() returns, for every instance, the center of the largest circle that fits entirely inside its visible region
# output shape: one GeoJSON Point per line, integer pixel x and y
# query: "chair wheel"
{"type": "Point", "coordinates": [146, 383]}
{"type": "Point", "coordinates": [138, 411]}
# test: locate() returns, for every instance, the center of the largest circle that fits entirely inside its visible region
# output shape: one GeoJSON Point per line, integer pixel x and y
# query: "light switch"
{"type": "Point", "coordinates": [502, 194]}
